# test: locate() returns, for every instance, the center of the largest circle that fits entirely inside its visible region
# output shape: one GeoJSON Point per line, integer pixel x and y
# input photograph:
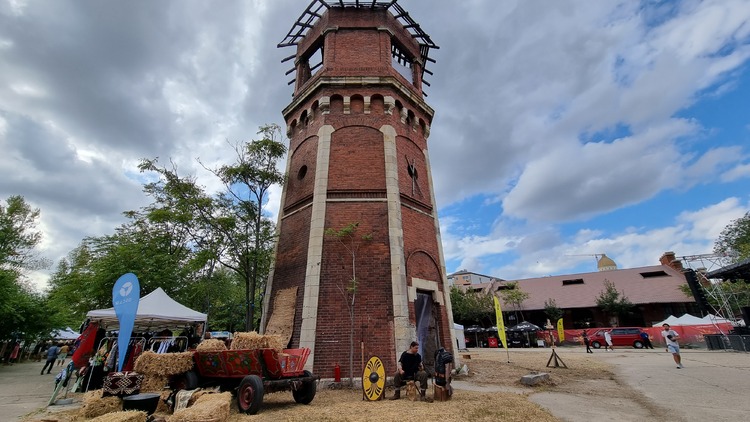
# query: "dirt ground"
{"type": "Point", "coordinates": [491, 391]}
{"type": "Point", "coordinates": [625, 385]}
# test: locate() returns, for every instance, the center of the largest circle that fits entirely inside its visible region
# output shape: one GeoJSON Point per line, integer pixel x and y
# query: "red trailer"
{"type": "Point", "coordinates": [251, 373]}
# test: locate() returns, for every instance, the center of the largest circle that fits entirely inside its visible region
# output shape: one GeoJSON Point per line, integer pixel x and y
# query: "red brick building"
{"type": "Point", "coordinates": [358, 132]}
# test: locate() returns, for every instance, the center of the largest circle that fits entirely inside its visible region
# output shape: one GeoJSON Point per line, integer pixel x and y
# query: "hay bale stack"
{"type": "Point", "coordinates": [153, 383]}
{"type": "Point", "coordinates": [93, 404]}
{"type": "Point", "coordinates": [122, 416]}
{"type": "Point", "coordinates": [211, 345]}
{"type": "Point", "coordinates": [253, 340]}
{"type": "Point", "coordinates": [208, 408]}
{"type": "Point", "coordinates": [165, 364]}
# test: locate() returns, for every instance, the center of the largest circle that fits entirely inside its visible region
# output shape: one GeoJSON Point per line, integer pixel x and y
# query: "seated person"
{"type": "Point", "coordinates": [410, 368]}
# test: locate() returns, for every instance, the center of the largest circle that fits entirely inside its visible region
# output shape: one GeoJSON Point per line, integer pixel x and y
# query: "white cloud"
{"type": "Point", "coordinates": [528, 100]}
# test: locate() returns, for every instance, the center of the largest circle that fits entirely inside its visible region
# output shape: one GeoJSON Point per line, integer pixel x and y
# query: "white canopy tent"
{"type": "Point", "coordinates": [458, 329]}
{"type": "Point", "coordinates": [66, 334]}
{"type": "Point", "coordinates": [715, 319]}
{"type": "Point", "coordinates": [687, 319]}
{"type": "Point", "coordinates": [156, 311]}
{"type": "Point", "coordinates": [671, 320]}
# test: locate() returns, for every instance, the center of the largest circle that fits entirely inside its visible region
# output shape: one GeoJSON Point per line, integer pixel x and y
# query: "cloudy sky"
{"type": "Point", "coordinates": [562, 127]}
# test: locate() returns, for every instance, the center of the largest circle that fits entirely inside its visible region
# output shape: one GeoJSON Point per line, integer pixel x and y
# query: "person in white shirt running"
{"type": "Point", "coordinates": [670, 337]}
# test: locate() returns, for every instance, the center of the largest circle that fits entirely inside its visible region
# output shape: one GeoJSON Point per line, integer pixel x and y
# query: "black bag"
{"type": "Point", "coordinates": [442, 358]}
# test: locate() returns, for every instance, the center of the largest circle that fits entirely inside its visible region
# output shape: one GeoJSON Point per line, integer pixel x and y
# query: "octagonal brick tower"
{"type": "Point", "coordinates": [358, 126]}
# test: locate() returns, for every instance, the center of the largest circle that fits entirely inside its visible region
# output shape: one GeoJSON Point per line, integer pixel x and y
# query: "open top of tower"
{"type": "Point", "coordinates": [318, 9]}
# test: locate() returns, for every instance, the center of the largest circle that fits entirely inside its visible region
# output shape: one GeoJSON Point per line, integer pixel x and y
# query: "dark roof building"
{"type": "Point", "coordinates": [654, 292]}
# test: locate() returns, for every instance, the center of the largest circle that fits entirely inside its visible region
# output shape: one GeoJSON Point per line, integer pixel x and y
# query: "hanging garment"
{"type": "Point", "coordinates": [85, 347]}
{"type": "Point", "coordinates": [111, 357]}
{"type": "Point", "coordinates": [133, 352]}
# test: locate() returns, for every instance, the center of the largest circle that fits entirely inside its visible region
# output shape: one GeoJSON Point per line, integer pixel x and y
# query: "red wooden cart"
{"type": "Point", "coordinates": [252, 373]}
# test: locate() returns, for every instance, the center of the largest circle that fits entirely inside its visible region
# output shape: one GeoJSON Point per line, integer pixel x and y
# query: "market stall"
{"type": "Point", "coordinates": [158, 323]}
{"type": "Point", "coordinates": [156, 311]}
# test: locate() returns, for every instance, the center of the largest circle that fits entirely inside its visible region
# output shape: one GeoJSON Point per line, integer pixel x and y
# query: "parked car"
{"type": "Point", "coordinates": [621, 336]}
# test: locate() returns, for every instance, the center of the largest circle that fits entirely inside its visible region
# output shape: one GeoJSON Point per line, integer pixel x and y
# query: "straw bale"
{"type": "Point", "coordinates": [93, 404]}
{"type": "Point", "coordinates": [208, 407]}
{"type": "Point", "coordinates": [200, 393]}
{"type": "Point", "coordinates": [253, 340]}
{"type": "Point", "coordinates": [153, 383]}
{"type": "Point", "coordinates": [163, 407]}
{"type": "Point", "coordinates": [165, 364]}
{"type": "Point", "coordinates": [281, 321]}
{"type": "Point", "coordinates": [122, 416]}
{"type": "Point", "coordinates": [211, 345]}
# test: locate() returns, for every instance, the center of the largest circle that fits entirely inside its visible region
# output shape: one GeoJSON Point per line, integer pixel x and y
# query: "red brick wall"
{"type": "Point", "coordinates": [373, 302]}
{"type": "Point", "coordinates": [357, 159]}
{"type": "Point", "coordinates": [305, 154]}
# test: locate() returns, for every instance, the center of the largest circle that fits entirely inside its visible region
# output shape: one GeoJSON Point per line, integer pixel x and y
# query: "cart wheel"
{"type": "Point", "coordinates": [306, 392]}
{"type": "Point", "coordinates": [250, 394]}
{"type": "Point", "coordinates": [186, 381]}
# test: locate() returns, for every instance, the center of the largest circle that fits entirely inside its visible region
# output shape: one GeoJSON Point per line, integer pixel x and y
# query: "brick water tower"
{"type": "Point", "coordinates": [358, 126]}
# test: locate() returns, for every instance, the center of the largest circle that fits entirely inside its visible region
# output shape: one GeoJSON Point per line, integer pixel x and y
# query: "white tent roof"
{"type": "Point", "coordinates": [687, 319]}
{"type": "Point", "coordinates": [156, 311]}
{"type": "Point", "coordinates": [711, 319]}
{"type": "Point", "coordinates": [671, 320]}
{"type": "Point", "coordinates": [66, 334]}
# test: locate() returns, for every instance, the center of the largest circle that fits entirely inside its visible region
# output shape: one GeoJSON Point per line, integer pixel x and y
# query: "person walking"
{"type": "Point", "coordinates": [62, 354]}
{"type": "Point", "coordinates": [670, 337]}
{"type": "Point", "coordinates": [52, 353]}
{"type": "Point", "coordinates": [646, 340]}
{"type": "Point", "coordinates": [587, 342]}
{"type": "Point", "coordinates": [14, 354]}
{"type": "Point", "coordinates": [608, 341]}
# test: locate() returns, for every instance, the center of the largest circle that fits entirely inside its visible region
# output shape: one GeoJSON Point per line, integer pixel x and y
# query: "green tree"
{"type": "Point", "coordinates": [19, 236]}
{"type": "Point", "coordinates": [156, 251]}
{"type": "Point", "coordinates": [351, 240]}
{"type": "Point", "coordinates": [471, 307]}
{"type": "Point", "coordinates": [612, 301]}
{"type": "Point", "coordinates": [23, 313]}
{"type": "Point", "coordinates": [552, 311]}
{"type": "Point", "coordinates": [734, 240]}
{"type": "Point", "coordinates": [230, 226]}
{"type": "Point", "coordinates": [514, 296]}
{"type": "Point", "coordinates": [256, 171]}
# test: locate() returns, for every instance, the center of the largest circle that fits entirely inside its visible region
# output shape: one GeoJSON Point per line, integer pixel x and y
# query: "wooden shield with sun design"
{"type": "Point", "coordinates": [373, 379]}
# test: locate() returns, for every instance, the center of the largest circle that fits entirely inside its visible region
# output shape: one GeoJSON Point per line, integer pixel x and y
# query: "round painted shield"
{"type": "Point", "coordinates": [373, 379]}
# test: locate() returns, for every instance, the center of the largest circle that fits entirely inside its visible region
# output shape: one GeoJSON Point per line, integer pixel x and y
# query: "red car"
{"type": "Point", "coordinates": [621, 336]}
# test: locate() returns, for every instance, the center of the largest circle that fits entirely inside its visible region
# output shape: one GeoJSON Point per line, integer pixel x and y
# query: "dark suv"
{"type": "Point", "coordinates": [621, 336]}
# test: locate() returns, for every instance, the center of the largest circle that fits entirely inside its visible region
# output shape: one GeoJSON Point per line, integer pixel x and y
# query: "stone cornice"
{"type": "Point", "coordinates": [356, 81]}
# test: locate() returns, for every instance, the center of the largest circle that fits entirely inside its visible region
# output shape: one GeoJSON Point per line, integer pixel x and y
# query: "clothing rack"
{"type": "Point", "coordinates": [133, 341]}
{"type": "Point", "coordinates": [180, 341]}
